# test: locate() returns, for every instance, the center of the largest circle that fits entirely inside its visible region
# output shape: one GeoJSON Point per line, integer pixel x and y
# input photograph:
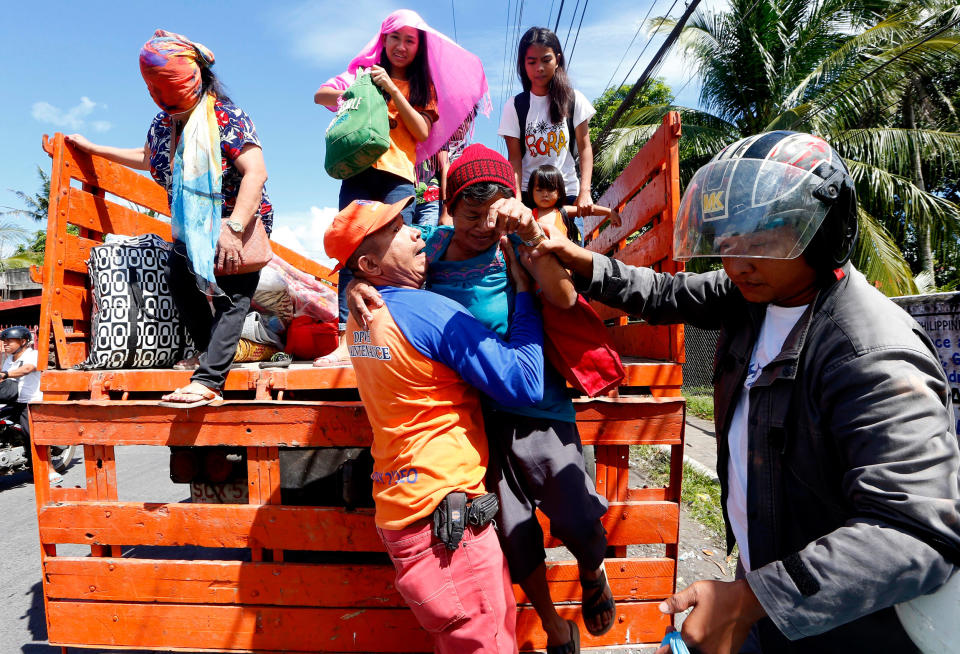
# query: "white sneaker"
{"type": "Point", "coordinates": [55, 478]}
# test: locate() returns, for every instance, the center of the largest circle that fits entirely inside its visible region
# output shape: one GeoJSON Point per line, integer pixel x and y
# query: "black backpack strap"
{"type": "Point", "coordinates": [572, 130]}
{"type": "Point", "coordinates": [521, 102]}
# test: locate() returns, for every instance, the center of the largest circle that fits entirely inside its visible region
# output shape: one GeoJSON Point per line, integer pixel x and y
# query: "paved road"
{"type": "Point", "coordinates": [142, 476]}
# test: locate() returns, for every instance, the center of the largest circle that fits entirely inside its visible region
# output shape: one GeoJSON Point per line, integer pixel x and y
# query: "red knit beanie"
{"type": "Point", "coordinates": [478, 163]}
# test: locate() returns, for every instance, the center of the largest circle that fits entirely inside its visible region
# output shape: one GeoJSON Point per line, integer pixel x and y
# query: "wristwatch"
{"type": "Point", "coordinates": [234, 226]}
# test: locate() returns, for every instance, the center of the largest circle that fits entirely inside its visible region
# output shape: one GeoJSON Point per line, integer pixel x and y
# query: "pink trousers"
{"type": "Point", "coordinates": [463, 598]}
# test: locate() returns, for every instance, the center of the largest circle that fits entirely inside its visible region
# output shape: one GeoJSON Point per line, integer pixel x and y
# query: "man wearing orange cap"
{"type": "Point", "coordinates": [421, 364]}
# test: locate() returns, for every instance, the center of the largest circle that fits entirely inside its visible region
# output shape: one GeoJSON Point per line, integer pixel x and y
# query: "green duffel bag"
{"type": "Point", "coordinates": [360, 132]}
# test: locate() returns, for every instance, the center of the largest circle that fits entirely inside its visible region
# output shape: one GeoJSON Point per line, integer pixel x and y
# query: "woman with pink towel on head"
{"type": "Point", "coordinates": [433, 87]}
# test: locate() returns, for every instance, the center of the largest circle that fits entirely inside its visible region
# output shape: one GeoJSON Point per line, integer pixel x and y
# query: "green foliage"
{"type": "Point", "coordinates": [700, 493]}
{"type": "Point", "coordinates": [877, 80]}
{"type": "Point", "coordinates": [699, 402]}
{"type": "Point", "coordinates": [654, 92]}
{"type": "Point", "coordinates": [35, 206]}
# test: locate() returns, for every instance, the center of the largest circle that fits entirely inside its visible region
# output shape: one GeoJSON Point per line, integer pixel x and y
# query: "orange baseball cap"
{"type": "Point", "coordinates": [356, 222]}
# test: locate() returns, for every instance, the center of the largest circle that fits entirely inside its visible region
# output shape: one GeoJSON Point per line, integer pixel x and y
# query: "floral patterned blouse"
{"type": "Point", "coordinates": [236, 131]}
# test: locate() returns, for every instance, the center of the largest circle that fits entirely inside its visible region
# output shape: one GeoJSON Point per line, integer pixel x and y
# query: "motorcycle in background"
{"type": "Point", "coordinates": [15, 450]}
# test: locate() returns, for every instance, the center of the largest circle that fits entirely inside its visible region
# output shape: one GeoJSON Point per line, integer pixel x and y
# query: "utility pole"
{"type": "Point", "coordinates": [657, 58]}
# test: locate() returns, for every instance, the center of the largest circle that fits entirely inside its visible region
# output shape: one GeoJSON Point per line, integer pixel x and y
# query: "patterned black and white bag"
{"type": "Point", "coordinates": [135, 322]}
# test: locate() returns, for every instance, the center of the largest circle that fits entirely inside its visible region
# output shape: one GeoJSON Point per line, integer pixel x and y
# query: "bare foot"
{"type": "Point", "coordinates": [339, 357]}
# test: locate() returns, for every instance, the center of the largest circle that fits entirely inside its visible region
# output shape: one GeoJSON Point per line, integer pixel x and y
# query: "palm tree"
{"type": "Point", "coordinates": [848, 70]}
{"type": "Point", "coordinates": [36, 205]}
{"type": "Point", "coordinates": [35, 208]}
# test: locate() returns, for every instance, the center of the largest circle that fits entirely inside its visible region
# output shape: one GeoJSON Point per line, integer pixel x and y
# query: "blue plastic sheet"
{"type": "Point", "coordinates": [675, 641]}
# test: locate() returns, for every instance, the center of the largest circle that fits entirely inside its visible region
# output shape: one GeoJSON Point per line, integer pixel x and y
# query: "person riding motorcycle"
{"type": "Point", "coordinates": [20, 385]}
{"type": "Point", "coordinates": [20, 368]}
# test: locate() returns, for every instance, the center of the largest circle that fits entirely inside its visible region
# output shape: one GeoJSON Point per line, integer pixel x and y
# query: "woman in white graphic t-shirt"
{"type": "Point", "coordinates": [552, 107]}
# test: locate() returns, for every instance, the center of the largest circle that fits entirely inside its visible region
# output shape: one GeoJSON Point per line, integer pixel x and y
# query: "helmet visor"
{"type": "Point", "coordinates": [748, 208]}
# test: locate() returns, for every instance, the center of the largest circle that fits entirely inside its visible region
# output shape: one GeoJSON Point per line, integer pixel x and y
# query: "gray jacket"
{"type": "Point", "coordinates": [853, 496]}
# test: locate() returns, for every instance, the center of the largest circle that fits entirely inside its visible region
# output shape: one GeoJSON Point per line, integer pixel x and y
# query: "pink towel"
{"type": "Point", "coordinates": [457, 76]}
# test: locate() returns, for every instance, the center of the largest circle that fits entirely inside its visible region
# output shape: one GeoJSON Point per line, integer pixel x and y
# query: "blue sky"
{"type": "Point", "coordinates": [72, 67]}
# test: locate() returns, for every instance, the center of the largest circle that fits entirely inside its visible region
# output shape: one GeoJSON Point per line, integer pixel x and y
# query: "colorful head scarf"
{"type": "Point", "coordinates": [457, 76]}
{"type": "Point", "coordinates": [170, 64]}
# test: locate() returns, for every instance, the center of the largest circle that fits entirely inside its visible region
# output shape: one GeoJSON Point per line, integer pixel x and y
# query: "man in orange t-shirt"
{"type": "Point", "coordinates": [421, 364]}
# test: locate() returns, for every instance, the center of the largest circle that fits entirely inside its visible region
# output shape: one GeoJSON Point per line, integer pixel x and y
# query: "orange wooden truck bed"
{"type": "Point", "coordinates": [263, 603]}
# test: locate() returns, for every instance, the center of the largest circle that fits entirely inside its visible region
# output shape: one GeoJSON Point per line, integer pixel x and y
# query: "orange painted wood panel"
{"type": "Point", "coordinates": [652, 374]}
{"type": "Point", "coordinates": [247, 423]}
{"type": "Point", "coordinates": [302, 584]}
{"type": "Point", "coordinates": [648, 160]}
{"type": "Point", "coordinates": [629, 523]}
{"type": "Point", "coordinates": [77, 253]}
{"type": "Point", "coordinates": [113, 178]}
{"type": "Point", "coordinates": [73, 303]}
{"type": "Point", "coordinates": [642, 340]}
{"type": "Point", "coordinates": [234, 422]}
{"type": "Point", "coordinates": [284, 527]}
{"type": "Point", "coordinates": [638, 373]}
{"type": "Point", "coordinates": [242, 628]}
{"type": "Point", "coordinates": [106, 217]}
{"type": "Point", "coordinates": [649, 202]}
{"type": "Point", "coordinates": [630, 579]}
{"type": "Point", "coordinates": [654, 246]}
{"type": "Point", "coordinates": [209, 525]}
{"type": "Point", "coordinates": [627, 421]}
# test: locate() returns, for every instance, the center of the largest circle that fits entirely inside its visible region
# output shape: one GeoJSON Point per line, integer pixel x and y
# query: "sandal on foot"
{"type": "Point", "coordinates": [572, 646]}
{"type": "Point", "coordinates": [593, 605]}
{"type": "Point", "coordinates": [189, 399]}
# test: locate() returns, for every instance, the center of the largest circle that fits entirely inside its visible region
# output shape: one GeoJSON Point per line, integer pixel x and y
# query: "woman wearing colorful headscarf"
{"type": "Point", "coordinates": [205, 151]}
{"type": "Point", "coordinates": [433, 86]}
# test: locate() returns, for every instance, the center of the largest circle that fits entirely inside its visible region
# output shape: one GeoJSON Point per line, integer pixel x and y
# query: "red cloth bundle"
{"type": "Point", "coordinates": [577, 344]}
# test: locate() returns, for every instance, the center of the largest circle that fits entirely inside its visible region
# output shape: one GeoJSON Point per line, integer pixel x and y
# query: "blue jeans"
{"type": "Point", "coordinates": [427, 214]}
{"type": "Point", "coordinates": [371, 184]}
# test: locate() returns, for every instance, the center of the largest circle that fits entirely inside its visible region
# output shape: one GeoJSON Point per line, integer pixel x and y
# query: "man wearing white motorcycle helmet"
{"type": "Point", "coordinates": [19, 364]}
{"type": "Point", "coordinates": [837, 455]}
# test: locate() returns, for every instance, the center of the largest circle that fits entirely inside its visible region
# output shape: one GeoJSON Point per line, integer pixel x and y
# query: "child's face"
{"type": "Point", "coordinates": [545, 198]}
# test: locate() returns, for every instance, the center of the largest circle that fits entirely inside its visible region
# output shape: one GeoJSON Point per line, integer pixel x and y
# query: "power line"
{"type": "Point", "coordinates": [647, 44]}
{"type": "Point", "coordinates": [556, 25]}
{"type": "Point", "coordinates": [624, 56]}
{"type": "Point", "coordinates": [739, 23]}
{"type": "Point", "coordinates": [550, 13]}
{"type": "Point", "coordinates": [503, 64]}
{"type": "Point", "coordinates": [569, 57]}
{"type": "Point", "coordinates": [654, 63]}
{"type": "Point", "coordinates": [453, 10]}
{"type": "Point", "coordinates": [573, 17]}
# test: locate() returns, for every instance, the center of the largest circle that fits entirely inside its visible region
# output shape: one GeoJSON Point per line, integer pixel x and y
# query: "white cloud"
{"type": "Point", "coordinates": [303, 232]}
{"type": "Point", "coordinates": [71, 119]}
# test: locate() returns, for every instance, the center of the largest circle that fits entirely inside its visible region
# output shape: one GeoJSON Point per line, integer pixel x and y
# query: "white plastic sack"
{"type": "Point", "coordinates": [933, 621]}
